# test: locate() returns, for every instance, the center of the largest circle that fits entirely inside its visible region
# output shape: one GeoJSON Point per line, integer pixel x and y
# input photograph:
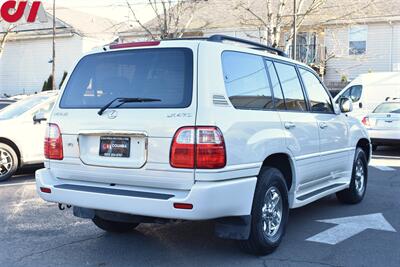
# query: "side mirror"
{"type": "Point", "coordinates": [39, 117]}
{"type": "Point", "coordinates": [345, 105]}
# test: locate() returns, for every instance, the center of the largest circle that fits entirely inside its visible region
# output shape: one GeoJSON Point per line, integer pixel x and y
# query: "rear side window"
{"type": "Point", "coordinates": [246, 81]}
{"type": "Point", "coordinates": [165, 74]}
{"type": "Point", "coordinates": [317, 95]}
{"type": "Point", "coordinates": [291, 87]}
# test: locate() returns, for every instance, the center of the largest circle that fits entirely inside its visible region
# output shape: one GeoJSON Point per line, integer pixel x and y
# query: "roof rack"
{"type": "Point", "coordinates": [392, 98]}
{"type": "Point", "coordinates": [220, 38]}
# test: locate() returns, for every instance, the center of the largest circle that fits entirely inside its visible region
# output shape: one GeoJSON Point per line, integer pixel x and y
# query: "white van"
{"type": "Point", "coordinates": [199, 130]}
{"type": "Point", "coordinates": [367, 91]}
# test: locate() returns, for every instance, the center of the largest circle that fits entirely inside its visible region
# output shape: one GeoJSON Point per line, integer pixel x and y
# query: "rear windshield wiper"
{"type": "Point", "coordinates": [123, 100]}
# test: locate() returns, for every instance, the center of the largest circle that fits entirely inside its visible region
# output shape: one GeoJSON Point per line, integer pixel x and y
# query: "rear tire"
{"type": "Point", "coordinates": [270, 213]}
{"type": "Point", "coordinates": [8, 162]}
{"type": "Point", "coordinates": [114, 227]}
{"type": "Point", "coordinates": [358, 185]}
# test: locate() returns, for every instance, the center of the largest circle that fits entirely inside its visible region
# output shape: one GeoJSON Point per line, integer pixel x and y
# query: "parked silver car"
{"type": "Point", "coordinates": [383, 124]}
{"type": "Point", "coordinates": [4, 102]}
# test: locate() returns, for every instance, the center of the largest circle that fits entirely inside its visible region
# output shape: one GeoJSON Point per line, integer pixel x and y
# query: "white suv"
{"type": "Point", "coordinates": [200, 129]}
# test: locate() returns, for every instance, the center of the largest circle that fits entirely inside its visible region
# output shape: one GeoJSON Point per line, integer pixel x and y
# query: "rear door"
{"type": "Point", "coordinates": [333, 129]}
{"type": "Point", "coordinates": [130, 143]}
{"type": "Point", "coordinates": [299, 124]}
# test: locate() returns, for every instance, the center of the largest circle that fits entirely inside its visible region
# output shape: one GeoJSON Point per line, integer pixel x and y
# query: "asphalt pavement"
{"type": "Point", "coordinates": [36, 233]}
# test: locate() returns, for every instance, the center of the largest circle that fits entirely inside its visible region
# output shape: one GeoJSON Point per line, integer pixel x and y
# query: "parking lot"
{"type": "Point", "coordinates": [35, 233]}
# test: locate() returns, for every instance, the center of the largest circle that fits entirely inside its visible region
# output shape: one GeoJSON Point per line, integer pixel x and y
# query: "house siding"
{"type": "Point", "coordinates": [383, 51]}
{"type": "Point", "coordinates": [24, 65]}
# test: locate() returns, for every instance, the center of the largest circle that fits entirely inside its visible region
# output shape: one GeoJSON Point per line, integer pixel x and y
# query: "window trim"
{"type": "Point", "coordinates": [323, 86]}
{"type": "Point", "coordinates": [301, 86]}
{"type": "Point", "coordinates": [297, 67]}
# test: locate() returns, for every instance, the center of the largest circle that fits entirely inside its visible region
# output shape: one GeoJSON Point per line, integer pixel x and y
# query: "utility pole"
{"type": "Point", "coordinates": [53, 70]}
{"type": "Point", "coordinates": [294, 48]}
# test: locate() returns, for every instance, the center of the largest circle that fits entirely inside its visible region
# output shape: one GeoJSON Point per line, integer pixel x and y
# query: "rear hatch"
{"type": "Point", "coordinates": [385, 121]}
{"type": "Point", "coordinates": [386, 116]}
{"type": "Point", "coordinates": [129, 144]}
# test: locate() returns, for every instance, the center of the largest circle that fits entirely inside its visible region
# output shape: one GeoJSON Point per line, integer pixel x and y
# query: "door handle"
{"type": "Point", "coordinates": [289, 125]}
{"type": "Point", "coordinates": [323, 125]}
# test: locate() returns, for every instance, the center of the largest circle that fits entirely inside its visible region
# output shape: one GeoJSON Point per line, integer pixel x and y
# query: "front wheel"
{"type": "Point", "coordinates": [113, 226]}
{"type": "Point", "coordinates": [358, 185]}
{"type": "Point", "coordinates": [270, 213]}
{"type": "Point", "coordinates": [8, 162]}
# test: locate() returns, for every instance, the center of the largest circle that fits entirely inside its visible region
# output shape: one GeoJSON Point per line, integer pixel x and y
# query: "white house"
{"type": "Point", "coordinates": [373, 46]}
{"type": "Point", "coordinates": [341, 39]}
{"type": "Point", "coordinates": [26, 60]}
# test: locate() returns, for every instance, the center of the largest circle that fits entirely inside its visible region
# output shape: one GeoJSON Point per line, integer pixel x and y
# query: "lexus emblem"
{"type": "Point", "coordinates": [112, 114]}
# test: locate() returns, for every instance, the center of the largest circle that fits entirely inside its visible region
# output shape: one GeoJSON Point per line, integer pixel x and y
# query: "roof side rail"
{"type": "Point", "coordinates": [220, 38]}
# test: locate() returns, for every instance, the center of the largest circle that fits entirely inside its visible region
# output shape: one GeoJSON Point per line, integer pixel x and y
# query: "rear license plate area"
{"type": "Point", "coordinates": [115, 146]}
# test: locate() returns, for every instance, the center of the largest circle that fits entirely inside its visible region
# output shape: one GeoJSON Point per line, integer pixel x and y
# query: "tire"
{"type": "Point", "coordinates": [270, 182]}
{"type": "Point", "coordinates": [114, 227]}
{"type": "Point", "coordinates": [358, 185]}
{"type": "Point", "coordinates": [8, 162]}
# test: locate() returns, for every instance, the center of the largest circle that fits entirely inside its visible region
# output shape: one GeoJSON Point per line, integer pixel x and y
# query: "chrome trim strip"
{"type": "Point", "coordinates": [114, 132]}
{"type": "Point", "coordinates": [326, 153]}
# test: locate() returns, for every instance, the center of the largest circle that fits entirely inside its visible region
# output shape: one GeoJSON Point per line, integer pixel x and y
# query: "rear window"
{"type": "Point", "coordinates": [388, 108]}
{"type": "Point", "coordinates": [164, 73]}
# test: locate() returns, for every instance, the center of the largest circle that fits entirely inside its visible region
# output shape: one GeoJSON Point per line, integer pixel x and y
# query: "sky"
{"type": "Point", "coordinates": [113, 9]}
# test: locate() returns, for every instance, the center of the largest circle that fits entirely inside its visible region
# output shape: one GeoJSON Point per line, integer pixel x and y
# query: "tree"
{"type": "Point", "coordinates": [63, 79]}
{"type": "Point", "coordinates": [48, 85]}
{"type": "Point", "coordinates": [172, 18]}
{"type": "Point", "coordinates": [6, 29]}
{"type": "Point", "coordinates": [273, 16]}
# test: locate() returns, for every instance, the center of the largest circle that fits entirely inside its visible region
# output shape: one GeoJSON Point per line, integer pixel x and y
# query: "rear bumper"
{"type": "Point", "coordinates": [382, 141]}
{"type": "Point", "coordinates": [392, 135]}
{"type": "Point", "coordinates": [210, 200]}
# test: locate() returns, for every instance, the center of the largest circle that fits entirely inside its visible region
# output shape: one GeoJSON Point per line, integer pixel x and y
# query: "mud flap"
{"type": "Point", "coordinates": [237, 228]}
{"type": "Point", "coordinates": [84, 213]}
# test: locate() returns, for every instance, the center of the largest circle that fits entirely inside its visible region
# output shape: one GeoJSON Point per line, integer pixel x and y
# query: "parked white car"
{"type": "Point", "coordinates": [383, 124]}
{"type": "Point", "coordinates": [368, 90]}
{"type": "Point", "coordinates": [198, 130]}
{"type": "Point", "coordinates": [22, 129]}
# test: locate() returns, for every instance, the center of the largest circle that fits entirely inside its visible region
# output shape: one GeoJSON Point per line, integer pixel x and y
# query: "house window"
{"type": "Point", "coordinates": [358, 40]}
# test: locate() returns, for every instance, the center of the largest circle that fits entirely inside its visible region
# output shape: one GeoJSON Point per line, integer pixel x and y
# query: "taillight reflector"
{"type": "Point", "coordinates": [200, 147]}
{"type": "Point", "coordinates": [135, 44]}
{"type": "Point", "coordinates": [183, 206]}
{"type": "Point", "coordinates": [45, 190]}
{"type": "Point", "coordinates": [53, 145]}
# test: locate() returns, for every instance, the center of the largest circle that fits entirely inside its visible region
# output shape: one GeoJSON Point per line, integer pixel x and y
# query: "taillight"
{"type": "Point", "coordinates": [53, 146]}
{"type": "Point", "coordinates": [200, 147]}
{"type": "Point", "coordinates": [135, 44]}
{"type": "Point", "coordinates": [365, 121]}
